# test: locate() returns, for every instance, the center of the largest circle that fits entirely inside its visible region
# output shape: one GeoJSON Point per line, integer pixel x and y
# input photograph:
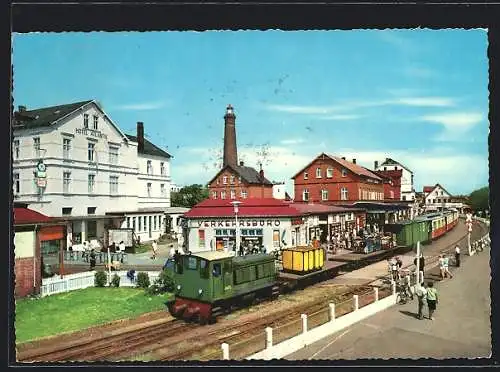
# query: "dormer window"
{"type": "Point", "coordinates": [86, 121]}
{"type": "Point", "coordinates": [329, 173]}
{"type": "Point", "coordinates": [231, 180]}
{"type": "Point", "coordinates": [344, 172]}
{"type": "Point", "coordinates": [224, 181]}
{"type": "Point", "coordinates": [306, 176]}
{"type": "Point", "coordinates": [96, 122]}
{"type": "Point", "coordinates": [318, 172]}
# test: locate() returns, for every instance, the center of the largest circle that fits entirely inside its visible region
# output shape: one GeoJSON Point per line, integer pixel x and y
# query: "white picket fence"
{"type": "Point", "coordinates": [72, 282]}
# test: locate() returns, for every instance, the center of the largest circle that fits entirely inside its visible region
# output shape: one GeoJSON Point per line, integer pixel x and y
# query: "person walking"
{"type": "Point", "coordinates": [155, 249]}
{"type": "Point", "coordinates": [432, 299]}
{"type": "Point", "coordinates": [441, 266]}
{"type": "Point", "coordinates": [457, 256]}
{"type": "Point", "coordinates": [421, 293]}
{"type": "Point", "coordinates": [447, 267]}
{"type": "Point", "coordinates": [92, 259]}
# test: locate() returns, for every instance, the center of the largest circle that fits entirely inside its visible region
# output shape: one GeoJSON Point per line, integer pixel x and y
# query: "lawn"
{"type": "Point", "coordinates": [80, 309]}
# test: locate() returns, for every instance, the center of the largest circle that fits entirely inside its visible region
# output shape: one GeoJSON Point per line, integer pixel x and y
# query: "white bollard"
{"type": "Point", "coordinates": [376, 293]}
{"type": "Point", "coordinates": [393, 284]}
{"type": "Point", "coordinates": [304, 322]}
{"type": "Point", "coordinates": [355, 298]}
{"type": "Point", "coordinates": [225, 351]}
{"type": "Point", "coordinates": [269, 337]}
{"type": "Point", "coordinates": [332, 312]}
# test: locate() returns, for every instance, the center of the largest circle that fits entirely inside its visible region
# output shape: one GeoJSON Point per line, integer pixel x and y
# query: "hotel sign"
{"type": "Point", "coordinates": [232, 223]}
{"type": "Point", "coordinates": [90, 132]}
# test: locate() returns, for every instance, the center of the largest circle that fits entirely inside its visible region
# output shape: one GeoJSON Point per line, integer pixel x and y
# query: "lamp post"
{"type": "Point", "coordinates": [235, 204]}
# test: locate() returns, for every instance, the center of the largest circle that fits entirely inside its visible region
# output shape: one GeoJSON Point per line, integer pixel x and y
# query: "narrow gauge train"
{"type": "Point", "coordinates": [212, 282]}
{"type": "Point", "coordinates": [424, 228]}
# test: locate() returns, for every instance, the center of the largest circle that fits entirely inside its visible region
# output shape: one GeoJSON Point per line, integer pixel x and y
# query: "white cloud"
{"type": "Point", "coordinates": [297, 109]}
{"type": "Point", "coordinates": [426, 101]}
{"type": "Point", "coordinates": [340, 117]}
{"type": "Point", "coordinates": [455, 120]}
{"type": "Point", "coordinates": [292, 141]}
{"type": "Point", "coordinates": [144, 106]}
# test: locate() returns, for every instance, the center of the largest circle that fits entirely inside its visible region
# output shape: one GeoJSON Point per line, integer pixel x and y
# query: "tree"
{"type": "Point", "coordinates": [189, 196]}
{"type": "Point", "coordinates": [479, 199]}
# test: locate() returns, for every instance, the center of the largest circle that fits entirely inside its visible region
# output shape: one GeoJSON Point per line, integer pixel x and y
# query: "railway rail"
{"type": "Point", "coordinates": [176, 340]}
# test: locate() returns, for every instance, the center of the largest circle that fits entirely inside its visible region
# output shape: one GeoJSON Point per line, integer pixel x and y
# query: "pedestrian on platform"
{"type": "Point", "coordinates": [432, 299]}
{"type": "Point", "coordinates": [155, 249]}
{"type": "Point", "coordinates": [457, 256]}
{"type": "Point", "coordinates": [92, 259]}
{"type": "Point", "coordinates": [441, 266]}
{"type": "Point", "coordinates": [421, 293]}
{"type": "Point", "coordinates": [394, 268]}
{"type": "Point", "coordinates": [446, 267]}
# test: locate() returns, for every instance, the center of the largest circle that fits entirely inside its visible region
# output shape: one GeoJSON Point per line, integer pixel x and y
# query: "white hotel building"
{"type": "Point", "coordinates": [97, 177]}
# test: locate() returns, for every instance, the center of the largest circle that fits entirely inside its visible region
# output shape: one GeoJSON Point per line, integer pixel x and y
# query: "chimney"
{"type": "Point", "coordinates": [375, 165]}
{"type": "Point", "coordinates": [140, 136]}
{"type": "Point", "coordinates": [354, 161]}
{"type": "Point", "coordinates": [230, 150]}
{"type": "Point", "coordinates": [21, 108]}
{"type": "Point", "coordinates": [343, 157]}
{"type": "Point", "coordinates": [261, 173]}
{"type": "Point", "coordinates": [242, 163]}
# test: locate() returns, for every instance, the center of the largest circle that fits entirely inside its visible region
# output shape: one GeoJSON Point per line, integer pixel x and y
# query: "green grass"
{"type": "Point", "coordinates": [75, 310]}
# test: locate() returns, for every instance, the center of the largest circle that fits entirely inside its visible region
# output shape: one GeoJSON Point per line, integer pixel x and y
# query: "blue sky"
{"type": "Point", "coordinates": [417, 96]}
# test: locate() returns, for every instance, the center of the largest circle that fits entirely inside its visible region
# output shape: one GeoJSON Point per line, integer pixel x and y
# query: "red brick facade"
{"type": "Point", "coordinates": [228, 181]}
{"type": "Point", "coordinates": [25, 269]}
{"type": "Point", "coordinates": [332, 177]}
{"type": "Point", "coordinates": [392, 190]}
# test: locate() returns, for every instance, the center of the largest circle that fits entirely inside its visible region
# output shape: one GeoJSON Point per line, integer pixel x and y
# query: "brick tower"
{"type": "Point", "coordinates": [230, 150]}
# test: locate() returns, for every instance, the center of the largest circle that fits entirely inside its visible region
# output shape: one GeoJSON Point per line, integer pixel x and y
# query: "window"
{"type": "Point", "coordinates": [231, 180]}
{"type": "Point", "coordinates": [224, 180]}
{"type": "Point", "coordinates": [145, 223]}
{"type": "Point", "coordinates": [344, 172]}
{"type": "Point", "coordinates": [91, 210]}
{"type": "Point", "coordinates": [113, 155]}
{"type": "Point", "coordinates": [192, 263]}
{"type": "Point", "coordinates": [163, 190]}
{"type": "Point", "coordinates": [162, 168]}
{"type": "Point", "coordinates": [233, 194]}
{"type": "Point", "coordinates": [91, 151]}
{"type": "Point", "coordinates": [214, 194]}
{"type": "Point", "coordinates": [139, 219]}
{"type": "Point", "coordinates": [133, 223]}
{"type": "Point", "coordinates": [85, 120]}
{"type": "Point", "coordinates": [217, 181]}
{"type": "Point", "coordinates": [113, 185]}
{"type": "Point", "coordinates": [329, 173]}
{"type": "Point", "coordinates": [17, 186]}
{"type": "Point", "coordinates": [150, 167]}
{"type": "Point", "coordinates": [66, 182]}
{"type": "Point", "coordinates": [154, 222]}
{"type": "Point", "coordinates": [306, 176]}
{"type": "Point", "coordinates": [16, 149]}
{"type": "Point", "coordinates": [404, 197]}
{"type": "Point", "coordinates": [318, 172]}
{"type": "Point", "coordinates": [66, 147]}
{"type": "Point", "coordinates": [204, 269]}
{"type": "Point", "coordinates": [66, 211]}
{"type": "Point", "coordinates": [149, 189]}
{"type": "Point", "coordinates": [343, 194]}
{"type": "Point", "coordinates": [324, 194]}
{"type": "Point", "coordinates": [385, 168]}
{"type": "Point", "coordinates": [305, 195]}
{"type": "Point", "coordinates": [91, 183]}
{"type": "Point", "coordinates": [96, 122]}
{"type": "Point", "coordinates": [36, 146]}
{"type": "Point", "coordinates": [223, 195]}
{"type": "Point", "coordinates": [244, 194]}
{"type": "Point", "coordinates": [128, 222]}
{"type": "Point", "coordinates": [216, 272]}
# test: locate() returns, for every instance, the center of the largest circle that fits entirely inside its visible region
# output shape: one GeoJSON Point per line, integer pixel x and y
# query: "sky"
{"type": "Point", "coordinates": [417, 96]}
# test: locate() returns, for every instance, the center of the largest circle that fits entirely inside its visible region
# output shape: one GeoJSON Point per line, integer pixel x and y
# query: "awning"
{"type": "Point", "coordinates": [51, 233]}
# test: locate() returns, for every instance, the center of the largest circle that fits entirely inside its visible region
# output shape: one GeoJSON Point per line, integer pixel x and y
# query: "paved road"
{"type": "Point", "coordinates": [461, 328]}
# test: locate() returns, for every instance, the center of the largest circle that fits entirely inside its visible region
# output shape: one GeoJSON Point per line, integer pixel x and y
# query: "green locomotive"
{"type": "Point", "coordinates": [212, 281]}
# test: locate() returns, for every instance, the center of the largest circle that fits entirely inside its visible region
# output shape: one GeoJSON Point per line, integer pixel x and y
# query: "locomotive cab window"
{"type": "Point", "coordinates": [216, 271]}
{"type": "Point", "coordinates": [204, 272]}
{"type": "Point", "coordinates": [192, 263]}
{"type": "Point", "coordinates": [227, 267]}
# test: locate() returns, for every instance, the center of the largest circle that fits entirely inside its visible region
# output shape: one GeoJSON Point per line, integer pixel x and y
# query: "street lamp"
{"type": "Point", "coordinates": [235, 204]}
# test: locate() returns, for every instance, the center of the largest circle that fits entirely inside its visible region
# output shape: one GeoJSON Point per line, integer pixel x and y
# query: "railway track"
{"type": "Point", "coordinates": [174, 339]}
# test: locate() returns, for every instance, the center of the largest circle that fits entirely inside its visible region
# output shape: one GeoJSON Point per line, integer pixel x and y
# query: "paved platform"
{"type": "Point", "coordinates": [461, 328]}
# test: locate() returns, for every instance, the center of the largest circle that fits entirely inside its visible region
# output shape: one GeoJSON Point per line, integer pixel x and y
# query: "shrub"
{"type": "Point", "coordinates": [115, 281]}
{"type": "Point", "coordinates": [164, 283]}
{"type": "Point", "coordinates": [143, 280]}
{"type": "Point", "coordinates": [100, 279]}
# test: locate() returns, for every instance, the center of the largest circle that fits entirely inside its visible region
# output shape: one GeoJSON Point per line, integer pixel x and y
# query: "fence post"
{"type": "Point", "coordinates": [355, 298]}
{"type": "Point", "coordinates": [376, 293]}
{"type": "Point", "coordinates": [393, 284]}
{"type": "Point", "coordinates": [304, 322]}
{"type": "Point", "coordinates": [269, 337]}
{"type": "Point", "coordinates": [225, 351]}
{"type": "Point", "coordinates": [332, 312]}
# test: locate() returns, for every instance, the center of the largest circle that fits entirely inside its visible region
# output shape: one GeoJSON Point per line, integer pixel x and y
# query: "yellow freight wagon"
{"type": "Point", "coordinates": [303, 259]}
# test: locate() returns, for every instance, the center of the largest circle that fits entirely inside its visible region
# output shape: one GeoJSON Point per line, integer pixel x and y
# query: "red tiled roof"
{"type": "Point", "coordinates": [27, 216]}
{"type": "Point", "coordinates": [305, 208]}
{"type": "Point", "coordinates": [428, 188]}
{"type": "Point", "coordinates": [362, 171]}
{"type": "Point", "coordinates": [251, 207]}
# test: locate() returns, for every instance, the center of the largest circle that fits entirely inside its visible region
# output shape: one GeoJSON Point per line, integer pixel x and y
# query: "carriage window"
{"type": "Point", "coordinates": [227, 267]}
{"type": "Point", "coordinates": [192, 261]}
{"type": "Point", "coordinates": [204, 269]}
{"type": "Point", "coordinates": [216, 270]}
